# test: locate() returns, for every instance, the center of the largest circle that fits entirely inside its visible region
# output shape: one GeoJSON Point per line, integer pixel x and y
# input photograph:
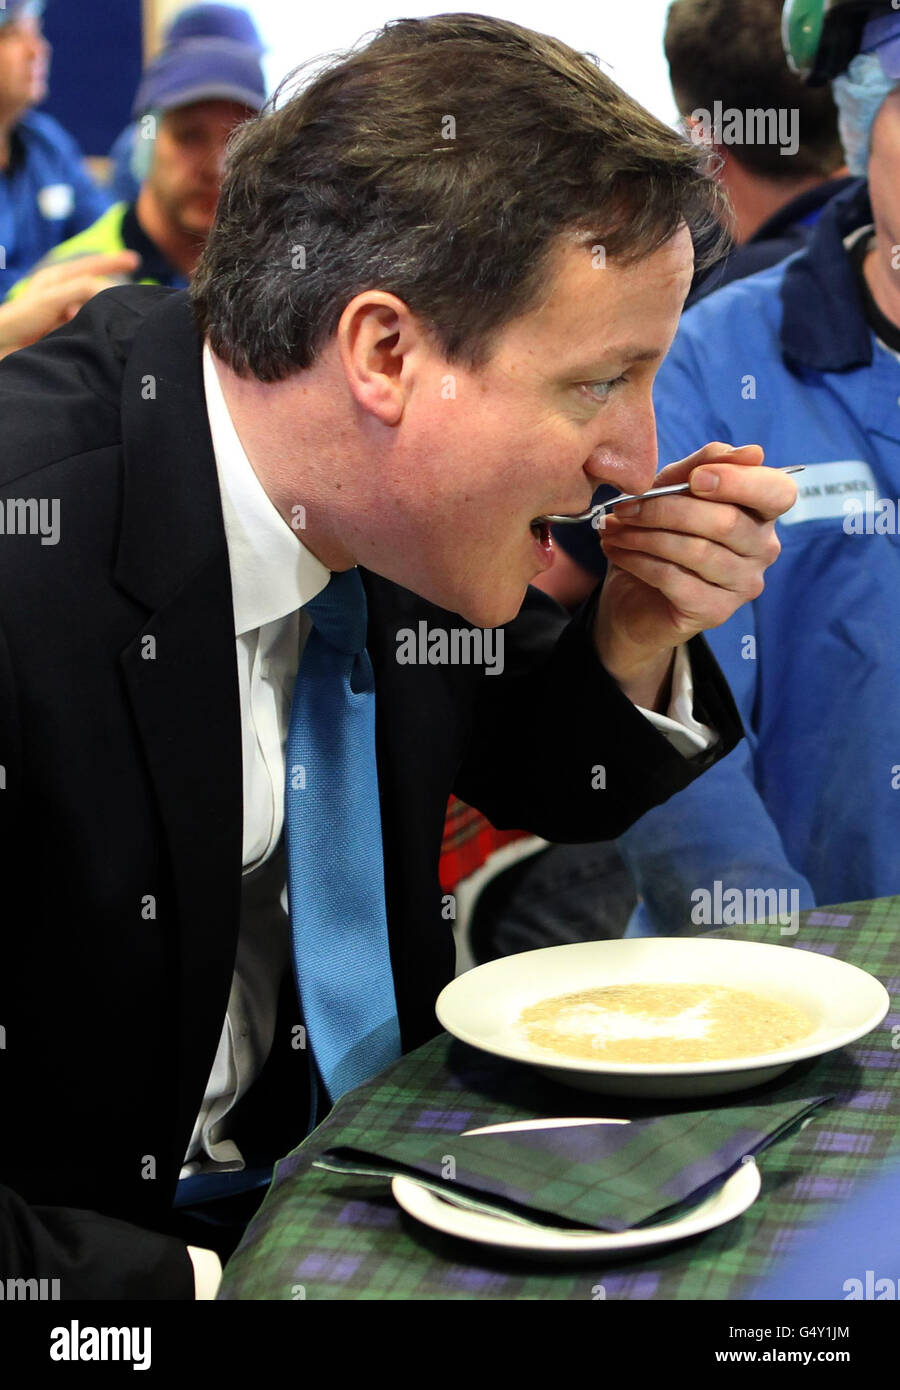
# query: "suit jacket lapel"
{"type": "Point", "coordinates": [181, 674]}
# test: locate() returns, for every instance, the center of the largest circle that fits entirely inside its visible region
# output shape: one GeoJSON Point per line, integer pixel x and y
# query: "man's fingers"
{"type": "Point", "coordinates": [67, 299]}
{"type": "Point", "coordinates": [715, 452]}
{"type": "Point", "coordinates": [100, 264]}
{"type": "Point", "coordinates": [718, 565]}
{"type": "Point", "coordinates": [695, 605]}
{"type": "Point", "coordinates": [42, 309]}
{"type": "Point", "coordinates": [729, 526]}
{"type": "Point", "coordinates": [765, 491]}
{"type": "Point", "coordinates": [704, 551]}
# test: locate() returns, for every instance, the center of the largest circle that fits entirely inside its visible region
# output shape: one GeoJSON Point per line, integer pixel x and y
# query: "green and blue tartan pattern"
{"type": "Point", "coordinates": [323, 1235]}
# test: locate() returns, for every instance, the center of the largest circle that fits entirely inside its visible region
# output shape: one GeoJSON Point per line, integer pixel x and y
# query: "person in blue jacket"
{"type": "Point", "coordinates": [46, 194]}
{"type": "Point", "coordinates": [804, 359]}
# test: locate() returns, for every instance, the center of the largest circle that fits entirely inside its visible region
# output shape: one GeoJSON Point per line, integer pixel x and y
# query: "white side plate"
{"type": "Point", "coordinates": [735, 1195]}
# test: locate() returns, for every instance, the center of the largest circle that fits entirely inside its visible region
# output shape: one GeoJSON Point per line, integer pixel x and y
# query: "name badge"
{"type": "Point", "coordinates": [824, 488]}
{"type": "Point", "coordinates": [56, 200]}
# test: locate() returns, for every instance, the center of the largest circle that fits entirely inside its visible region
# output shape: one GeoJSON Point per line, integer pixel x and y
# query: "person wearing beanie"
{"type": "Point", "coordinates": [196, 22]}
{"type": "Point", "coordinates": [191, 98]}
{"type": "Point", "coordinates": [804, 359]}
{"type": "Point", "coordinates": [46, 193]}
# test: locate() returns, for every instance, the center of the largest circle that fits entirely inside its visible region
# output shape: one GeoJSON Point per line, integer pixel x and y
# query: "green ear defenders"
{"type": "Point", "coordinates": [821, 37]}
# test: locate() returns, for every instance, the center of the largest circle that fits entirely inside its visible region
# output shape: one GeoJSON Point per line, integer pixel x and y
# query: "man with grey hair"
{"type": "Point", "coordinates": [416, 331]}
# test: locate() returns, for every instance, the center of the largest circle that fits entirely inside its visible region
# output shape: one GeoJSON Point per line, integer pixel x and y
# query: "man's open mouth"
{"type": "Point", "coordinates": [541, 531]}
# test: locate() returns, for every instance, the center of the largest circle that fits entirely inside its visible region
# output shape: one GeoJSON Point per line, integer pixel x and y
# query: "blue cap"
{"type": "Point", "coordinates": [214, 22]}
{"type": "Point", "coordinates": [20, 9]}
{"type": "Point", "coordinates": [201, 70]}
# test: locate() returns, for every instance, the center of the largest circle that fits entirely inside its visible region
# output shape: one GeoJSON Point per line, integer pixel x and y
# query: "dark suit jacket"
{"type": "Point", "coordinates": [123, 784]}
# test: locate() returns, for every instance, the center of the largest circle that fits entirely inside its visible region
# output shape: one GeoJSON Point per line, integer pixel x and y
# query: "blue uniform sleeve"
{"type": "Point", "coordinates": [711, 850]}
{"type": "Point", "coordinates": [712, 856]}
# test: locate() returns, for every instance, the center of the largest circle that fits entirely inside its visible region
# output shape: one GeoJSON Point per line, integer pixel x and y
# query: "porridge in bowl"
{"type": "Point", "coordinates": [658, 1023]}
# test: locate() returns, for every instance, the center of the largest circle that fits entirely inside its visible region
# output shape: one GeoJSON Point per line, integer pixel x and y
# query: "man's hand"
{"type": "Point", "coordinates": [681, 564]}
{"type": "Point", "coordinates": [55, 294]}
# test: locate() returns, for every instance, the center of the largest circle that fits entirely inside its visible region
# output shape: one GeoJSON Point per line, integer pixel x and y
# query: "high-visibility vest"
{"type": "Point", "coordinates": [103, 237]}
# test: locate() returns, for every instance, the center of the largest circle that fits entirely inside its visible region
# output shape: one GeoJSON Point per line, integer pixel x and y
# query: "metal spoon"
{"type": "Point", "coordinates": [603, 507]}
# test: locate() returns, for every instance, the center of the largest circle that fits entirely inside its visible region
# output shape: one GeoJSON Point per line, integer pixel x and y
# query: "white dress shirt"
{"type": "Point", "coordinates": [273, 575]}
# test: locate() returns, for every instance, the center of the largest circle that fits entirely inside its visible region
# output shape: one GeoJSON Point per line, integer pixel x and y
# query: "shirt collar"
{"type": "Point", "coordinates": [823, 324]}
{"type": "Point", "coordinates": [272, 572]}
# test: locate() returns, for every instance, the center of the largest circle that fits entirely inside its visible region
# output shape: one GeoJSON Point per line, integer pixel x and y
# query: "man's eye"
{"type": "Point", "coordinates": [602, 390]}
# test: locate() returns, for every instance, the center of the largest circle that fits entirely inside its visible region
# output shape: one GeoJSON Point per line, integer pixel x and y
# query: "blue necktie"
{"type": "Point", "coordinates": [334, 853]}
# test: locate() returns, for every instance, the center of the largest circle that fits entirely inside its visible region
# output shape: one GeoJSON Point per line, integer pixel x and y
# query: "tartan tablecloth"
{"type": "Point", "coordinates": [328, 1236]}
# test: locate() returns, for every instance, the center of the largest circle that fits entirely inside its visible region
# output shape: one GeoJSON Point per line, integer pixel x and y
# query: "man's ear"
{"type": "Point", "coordinates": [379, 340]}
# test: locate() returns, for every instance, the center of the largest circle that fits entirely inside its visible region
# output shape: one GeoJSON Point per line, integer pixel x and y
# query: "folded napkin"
{"type": "Point", "coordinates": [609, 1177]}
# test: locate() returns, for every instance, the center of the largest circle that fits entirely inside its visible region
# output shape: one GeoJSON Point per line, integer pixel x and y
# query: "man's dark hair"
{"type": "Point", "coordinates": [440, 163]}
{"type": "Point", "coordinates": [731, 51]}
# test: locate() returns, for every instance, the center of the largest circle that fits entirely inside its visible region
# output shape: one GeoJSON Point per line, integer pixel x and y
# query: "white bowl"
{"type": "Point", "coordinates": [482, 1007]}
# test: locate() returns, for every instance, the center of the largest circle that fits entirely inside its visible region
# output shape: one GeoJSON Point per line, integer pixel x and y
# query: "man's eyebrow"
{"type": "Point", "coordinates": [613, 354]}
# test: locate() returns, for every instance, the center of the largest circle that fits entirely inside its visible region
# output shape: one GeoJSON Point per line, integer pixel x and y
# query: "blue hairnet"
{"type": "Point", "coordinates": [858, 94]}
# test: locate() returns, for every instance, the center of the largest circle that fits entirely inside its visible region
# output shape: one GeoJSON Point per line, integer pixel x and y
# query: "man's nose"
{"type": "Point", "coordinates": [630, 460]}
